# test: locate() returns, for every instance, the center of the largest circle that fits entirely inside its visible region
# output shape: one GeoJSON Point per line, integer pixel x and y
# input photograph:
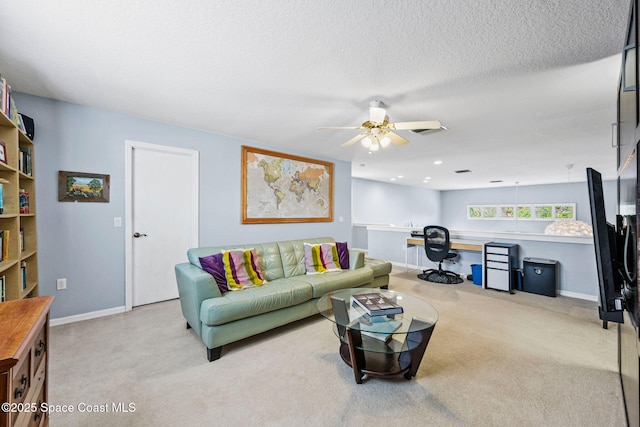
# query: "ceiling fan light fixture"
{"type": "Point", "coordinates": [377, 115]}
{"type": "Point", "coordinates": [378, 131]}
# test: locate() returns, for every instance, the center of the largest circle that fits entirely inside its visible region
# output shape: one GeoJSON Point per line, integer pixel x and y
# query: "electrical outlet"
{"type": "Point", "coordinates": [61, 284]}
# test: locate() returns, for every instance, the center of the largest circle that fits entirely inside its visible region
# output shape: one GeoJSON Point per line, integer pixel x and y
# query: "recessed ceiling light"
{"type": "Point", "coordinates": [427, 177]}
{"type": "Point", "coordinates": [400, 176]}
{"type": "Point", "coordinates": [437, 162]}
{"type": "Point", "coordinates": [392, 179]}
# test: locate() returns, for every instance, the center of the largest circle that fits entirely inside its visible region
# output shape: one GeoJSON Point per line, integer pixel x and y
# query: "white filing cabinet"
{"type": "Point", "coordinates": [500, 264]}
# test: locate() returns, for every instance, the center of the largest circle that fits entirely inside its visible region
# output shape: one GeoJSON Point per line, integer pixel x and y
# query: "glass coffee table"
{"type": "Point", "coordinates": [381, 346]}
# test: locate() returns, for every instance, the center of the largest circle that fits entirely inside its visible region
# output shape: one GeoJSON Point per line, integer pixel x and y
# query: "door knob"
{"type": "Point", "coordinates": [136, 235]}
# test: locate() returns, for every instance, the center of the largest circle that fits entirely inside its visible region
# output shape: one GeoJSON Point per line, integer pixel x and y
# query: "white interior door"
{"type": "Point", "coordinates": [162, 219]}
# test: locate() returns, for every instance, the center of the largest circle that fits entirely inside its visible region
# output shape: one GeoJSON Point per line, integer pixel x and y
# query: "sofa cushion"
{"type": "Point", "coordinates": [343, 254]}
{"type": "Point", "coordinates": [242, 269]}
{"type": "Point", "coordinates": [343, 279]}
{"type": "Point", "coordinates": [280, 293]}
{"type": "Point", "coordinates": [292, 253]}
{"type": "Point", "coordinates": [268, 256]}
{"type": "Point", "coordinates": [321, 258]}
{"type": "Point", "coordinates": [213, 265]}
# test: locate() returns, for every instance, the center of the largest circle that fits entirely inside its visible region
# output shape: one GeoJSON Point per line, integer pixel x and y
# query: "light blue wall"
{"type": "Point", "coordinates": [382, 203]}
{"type": "Point", "coordinates": [78, 240]}
{"type": "Point", "coordinates": [449, 209]}
{"type": "Point", "coordinates": [401, 205]}
{"type": "Point", "coordinates": [454, 205]}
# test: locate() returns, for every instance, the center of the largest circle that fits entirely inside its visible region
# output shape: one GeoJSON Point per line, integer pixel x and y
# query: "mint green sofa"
{"type": "Point", "coordinates": [289, 295]}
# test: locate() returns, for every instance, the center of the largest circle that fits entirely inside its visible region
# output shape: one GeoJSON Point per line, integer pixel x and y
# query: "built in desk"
{"type": "Point", "coordinates": [575, 254]}
{"type": "Point", "coordinates": [455, 244]}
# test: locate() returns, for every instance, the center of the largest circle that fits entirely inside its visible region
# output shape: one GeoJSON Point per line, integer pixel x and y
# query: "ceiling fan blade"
{"type": "Point", "coordinates": [377, 114]}
{"type": "Point", "coordinates": [429, 124]}
{"type": "Point", "coordinates": [340, 128]}
{"type": "Point", "coordinates": [396, 139]}
{"type": "Point", "coordinates": [355, 139]}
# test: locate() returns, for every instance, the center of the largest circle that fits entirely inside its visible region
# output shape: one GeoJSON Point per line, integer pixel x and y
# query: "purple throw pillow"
{"type": "Point", "coordinates": [213, 265]}
{"type": "Point", "coordinates": [343, 254]}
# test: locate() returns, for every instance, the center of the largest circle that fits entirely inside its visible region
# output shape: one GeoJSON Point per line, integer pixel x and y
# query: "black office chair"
{"type": "Point", "coordinates": [437, 244]}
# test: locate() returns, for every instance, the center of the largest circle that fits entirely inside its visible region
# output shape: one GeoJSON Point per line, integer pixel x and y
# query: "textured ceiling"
{"type": "Point", "coordinates": [525, 88]}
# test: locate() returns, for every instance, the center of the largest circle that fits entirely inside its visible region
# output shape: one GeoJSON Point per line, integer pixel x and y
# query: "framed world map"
{"type": "Point", "coordinates": [279, 187]}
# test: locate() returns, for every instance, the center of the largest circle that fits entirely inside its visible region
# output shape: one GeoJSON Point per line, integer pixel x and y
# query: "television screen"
{"type": "Point", "coordinates": [604, 239]}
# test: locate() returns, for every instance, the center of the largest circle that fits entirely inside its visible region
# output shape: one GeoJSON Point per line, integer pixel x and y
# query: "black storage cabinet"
{"type": "Point", "coordinates": [541, 276]}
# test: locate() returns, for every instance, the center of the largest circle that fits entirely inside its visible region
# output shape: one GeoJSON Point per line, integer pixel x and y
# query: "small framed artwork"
{"type": "Point", "coordinates": [83, 187]}
{"type": "Point", "coordinates": [564, 211]}
{"type": "Point", "coordinates": [474, 212]}
{"type": "Point", "coordinates": [3, 151]}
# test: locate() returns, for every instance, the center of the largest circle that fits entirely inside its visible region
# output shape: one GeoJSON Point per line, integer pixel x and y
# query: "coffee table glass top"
{"type": "Point", "coordinates": [413, 308]}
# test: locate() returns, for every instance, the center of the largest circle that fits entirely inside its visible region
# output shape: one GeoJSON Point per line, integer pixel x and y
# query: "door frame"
{"type": "Point", "coordinates": [130, 146]}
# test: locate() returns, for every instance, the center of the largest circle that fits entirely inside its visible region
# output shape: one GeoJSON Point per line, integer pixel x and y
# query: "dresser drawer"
{"type": "Point", "coordinates": [498, 258]}
{"type": "Point", "coordinates": [498, 265]}
{"type": "Point", "coordinates": [497, 250]}
{"type": "Point", "coordinates": [39, 345]}
{"type": "Point", "coordinates": [21, 380]}
{"type": "Point", "coordinates": [497, 279]}
{"type": "Point", "coordinates": [34, 417]}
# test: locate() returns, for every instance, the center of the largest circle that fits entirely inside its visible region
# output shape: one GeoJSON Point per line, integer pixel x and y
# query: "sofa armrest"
{"type": "Point", "coordinates": [356, 259]}
{"type": "Point", "coordinates": [194, 286]}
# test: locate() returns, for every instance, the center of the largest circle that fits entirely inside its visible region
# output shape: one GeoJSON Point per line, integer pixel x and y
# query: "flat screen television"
{"type": "Point", "coordinates": [610, 279]}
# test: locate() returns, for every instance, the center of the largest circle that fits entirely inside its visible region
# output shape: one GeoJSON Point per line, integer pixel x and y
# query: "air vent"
{"type": "Point", "coordinates": [495, 181]}
{"type": "Point", "coordinates": [463, 171]}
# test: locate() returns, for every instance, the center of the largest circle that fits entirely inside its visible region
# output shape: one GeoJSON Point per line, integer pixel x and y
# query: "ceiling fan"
{"type": "Point", "coordinates": [378, 132]}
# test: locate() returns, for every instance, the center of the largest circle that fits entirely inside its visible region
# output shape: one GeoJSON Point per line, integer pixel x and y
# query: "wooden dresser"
{"type": "Point", "coordinates": [24, 345]}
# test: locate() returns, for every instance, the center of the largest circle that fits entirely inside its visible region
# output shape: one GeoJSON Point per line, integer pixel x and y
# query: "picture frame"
{"type": "Point", "coordinates": [283, 188]}
{"type": "Point", "coordinates": [3, 152]}
{"type": "Point", "coordinates": [83, 187]}
{"type": "Point", "coordinates": [528, 212]}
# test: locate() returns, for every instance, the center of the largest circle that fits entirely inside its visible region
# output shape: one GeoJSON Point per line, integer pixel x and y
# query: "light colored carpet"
{"type": "Point", "coordinates": [494, 359]}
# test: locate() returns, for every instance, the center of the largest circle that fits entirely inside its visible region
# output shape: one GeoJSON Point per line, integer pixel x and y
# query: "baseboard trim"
{"type": "Point", "coordinates": [402, 265]}
{"type": "Point", "coordinates": [578, 295]}
{"type": "Point", "coordinates": [86, 316]}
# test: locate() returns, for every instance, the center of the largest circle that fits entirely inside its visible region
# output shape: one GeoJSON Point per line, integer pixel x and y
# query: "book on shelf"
{"type": "Point", "coordinates": [21, 239]}
{"type": "Point", "coordinates": [21, 124]}
{"type": "Point", "coordinates": [2, 182]}
{"type": "Point", "coordinates": [375, 304]}
{"type": "Point", "coordinates": [24, 201]}
{"type": "Point", "coordinates": [2, 289]}
{"type": "Point", "coordinates": [13, 109]}
{"type": "Point", "coordinates": [23, 274]}
{"type": "Point", "coordinates": [24, 160]}
{"type": "Point", "coordinates": [4, 93]}
{"type": "Point", "coordinates": [5, 245]}
{"type": "Point", "coordinates": [380, 328]}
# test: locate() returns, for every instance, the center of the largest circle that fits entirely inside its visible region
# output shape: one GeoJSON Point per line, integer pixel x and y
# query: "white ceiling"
{"type": "Point", "coordinates": [524, 87]}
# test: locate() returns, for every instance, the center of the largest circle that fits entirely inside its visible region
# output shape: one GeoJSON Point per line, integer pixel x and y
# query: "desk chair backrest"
{"type": "Point", "coordinates": [436, 242]}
